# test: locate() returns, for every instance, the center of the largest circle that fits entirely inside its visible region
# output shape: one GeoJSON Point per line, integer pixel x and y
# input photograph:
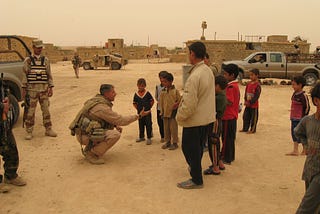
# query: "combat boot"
{"type": "Point", "coordinates": [28, 136]}
{"type": "Point", "coordinates": [18, 181]}
{"type": "Point", "coordinates": [4, 188]}
{"type": "Point", "coordinates": [93, 159]}
{"type": "Point", "coordinates": [50, 133]}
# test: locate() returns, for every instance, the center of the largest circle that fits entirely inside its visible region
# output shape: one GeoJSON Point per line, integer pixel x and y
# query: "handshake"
{"type": "Point", "coordinates": [143, 113]}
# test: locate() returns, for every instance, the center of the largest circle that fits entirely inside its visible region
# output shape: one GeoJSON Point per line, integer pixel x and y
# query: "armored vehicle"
{"type": "Point", "coordinates": [112, 61]}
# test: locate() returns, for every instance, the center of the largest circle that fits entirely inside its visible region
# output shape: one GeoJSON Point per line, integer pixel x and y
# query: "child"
{"type": "Point", "coordinates": [251, 96]}
{"type": "Point", "coordinates": [307, 131]}
{"type": "Point", "coordinates": [299, 108]}
{"type": "Point", "coordinates": [215, 131]}
{"type": "Point", "coordinates": [169, 102]}
{"type": "Point", "coordinates": [230, 116]}
{"type": "Point", "coordinates": [142, 99]}
{"type": "Point", "coordinates": [159, 88]}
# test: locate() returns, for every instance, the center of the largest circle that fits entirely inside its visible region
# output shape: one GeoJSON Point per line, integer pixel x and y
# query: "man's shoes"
{"type": "Point", "coordinates": [28, 136]}
{"type": "Point", "coordinates": [50, 133]}
{"type": "Point", "coordinates": [189, 184]}
{"type": "Point", "coordinates": [173, 146]}
{"type": "Point", "coordinates": [225, 162]}
{"type": "Point", "coordinates": [93, 159]}
{"type": "Point", "coordinates": [18, 181]}
{"type": "Point", "coordinates": [4, 188]}
{"type": "Point", "coordinates": [166, 145]}
{"type": "Point", "coordinates": [140, 140]}
{"type": "Point", "coordinates": [149, 142]}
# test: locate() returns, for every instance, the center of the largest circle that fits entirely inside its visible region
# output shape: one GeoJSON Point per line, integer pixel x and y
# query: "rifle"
{"type": "Point", "coordinates": [4, 122]}
{"type": "Point", "coordinates": [25, 105]}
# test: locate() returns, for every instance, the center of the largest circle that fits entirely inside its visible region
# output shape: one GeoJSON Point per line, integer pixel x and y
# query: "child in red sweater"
{"type": "Point", "coordinates": [230, 116]}
{"type": "Point", "coordinates": [251, 96]}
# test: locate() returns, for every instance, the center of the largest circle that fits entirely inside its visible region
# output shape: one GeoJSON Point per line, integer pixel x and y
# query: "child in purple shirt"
{"type": "Point", "coordinates": [299, 108]}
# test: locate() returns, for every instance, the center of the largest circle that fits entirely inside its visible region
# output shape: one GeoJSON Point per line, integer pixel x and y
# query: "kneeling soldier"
{"type": "Point", "coordinates": [97, 126]}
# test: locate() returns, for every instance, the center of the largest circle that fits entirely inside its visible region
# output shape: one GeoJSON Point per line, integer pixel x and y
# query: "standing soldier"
{"type": "Point", "coordinates": [76, 61]}
{"type": "Point", "coordinates": [37, 83]}
{"type": "Point", "coordinates": [95, 61]}
{"type": "Point", "coordinates": [8, 147]}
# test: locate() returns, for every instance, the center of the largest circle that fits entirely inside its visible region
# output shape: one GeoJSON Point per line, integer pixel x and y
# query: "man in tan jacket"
{"type": "Point", "coordinates": [97, 126]}
{"type": "Point", "coordinates": [196, 111]}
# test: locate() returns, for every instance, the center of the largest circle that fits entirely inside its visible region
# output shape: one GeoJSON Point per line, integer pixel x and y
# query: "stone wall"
{"type": "Point", "coordinates": [277, 38]}
{"type": "Point", "coordinates": [182, 57]}
{"type": "Point", "coordinates": [87, 53]}
{"type": "Point", "coordinates": [225, 50]}
{"type": "Point", "coordinates": [13, 44]}
{"type": "Point", "coordinates": [219, 50]}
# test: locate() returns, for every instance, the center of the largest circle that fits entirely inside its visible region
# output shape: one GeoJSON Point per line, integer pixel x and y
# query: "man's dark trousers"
{"type": "Point", "coordinates": [193, 139]}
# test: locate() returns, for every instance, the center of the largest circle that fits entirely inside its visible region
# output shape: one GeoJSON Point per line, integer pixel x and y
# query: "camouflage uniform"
{"type": "Point", "coordinates": [76, 61]}
{"type": "Point", "coordinates": [9, 153]}
{"type": "Point", "coordinates": [37, 81]}
{"type": "Point", "coordinates": [99, 109]}
{"type": "Point", "coordinates": [95, 61]}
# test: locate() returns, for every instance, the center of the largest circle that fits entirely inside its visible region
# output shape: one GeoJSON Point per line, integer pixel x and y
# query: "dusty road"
{"type": "Point", "coordinates": [142, 179]}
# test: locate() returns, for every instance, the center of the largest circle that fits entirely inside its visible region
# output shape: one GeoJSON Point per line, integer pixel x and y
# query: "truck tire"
{"type": "Point", "coordinates": [14, 105]}
{"type": "Point", "coordinates": [115, 66]}
{"type": "Point", "coordinates": [87, 66]}
{"type": "Point", "coordinates": [311, 79]}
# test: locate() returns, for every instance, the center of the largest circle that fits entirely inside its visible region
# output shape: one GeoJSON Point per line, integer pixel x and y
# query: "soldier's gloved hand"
{"type": "Point", "coordinates": [50, 92]}
{"type": "Point", "coordinates": [5, 105]}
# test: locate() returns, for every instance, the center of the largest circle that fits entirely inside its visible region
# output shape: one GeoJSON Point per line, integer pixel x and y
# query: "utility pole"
{"type": "Point", "coordinates": [203, 26]}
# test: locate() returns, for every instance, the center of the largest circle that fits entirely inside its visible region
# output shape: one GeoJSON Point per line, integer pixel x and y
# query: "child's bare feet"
{"type": "Point", "coordinates": [250, 132]}
{"type": "Point", "coordinates": [221, 165]}
{"type": "Point", "coordinates": [216, 170]}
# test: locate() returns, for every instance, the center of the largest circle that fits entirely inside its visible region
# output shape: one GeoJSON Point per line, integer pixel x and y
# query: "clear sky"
{"type": "Point", "coordinates": [168, 23]}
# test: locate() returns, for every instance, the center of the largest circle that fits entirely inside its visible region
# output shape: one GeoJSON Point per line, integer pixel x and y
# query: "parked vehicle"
{"type": "Point", "coordinates": [280, 65]}
{"type": "Point", "coordinates": [13, 51]}
{"type": "Point", "coordinates": [113, 61]}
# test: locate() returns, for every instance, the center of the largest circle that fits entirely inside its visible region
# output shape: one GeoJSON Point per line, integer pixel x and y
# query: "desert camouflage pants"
{"type": "Point", "coordinates": [43, 99]}
{"type": "Point", "coordinates": [10, 157]}
{"type": "Point", "coordinates": [76, 70]}
{"type": "Point", "coordinates": [101, 147]}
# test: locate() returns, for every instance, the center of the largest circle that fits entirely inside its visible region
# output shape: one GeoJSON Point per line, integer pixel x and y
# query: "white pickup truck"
{"type": "Point", "coordinates": [278, 65]}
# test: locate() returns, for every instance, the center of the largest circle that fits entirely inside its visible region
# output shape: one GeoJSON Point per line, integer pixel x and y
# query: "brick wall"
{"type": "Point", "coordinates": [224, 50]}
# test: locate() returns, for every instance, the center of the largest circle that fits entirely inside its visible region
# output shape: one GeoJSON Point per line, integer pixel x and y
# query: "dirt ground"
{"type": "Point", "coordinates": [139, 178]}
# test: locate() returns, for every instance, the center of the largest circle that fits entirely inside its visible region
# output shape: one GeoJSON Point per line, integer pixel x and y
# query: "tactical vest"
{"type": "Point", "coordinates": [85, 123]}
{"type": "Point", "coordinates": [37, 73]}
{"type": "Point", "coordinates": [76, 61]}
